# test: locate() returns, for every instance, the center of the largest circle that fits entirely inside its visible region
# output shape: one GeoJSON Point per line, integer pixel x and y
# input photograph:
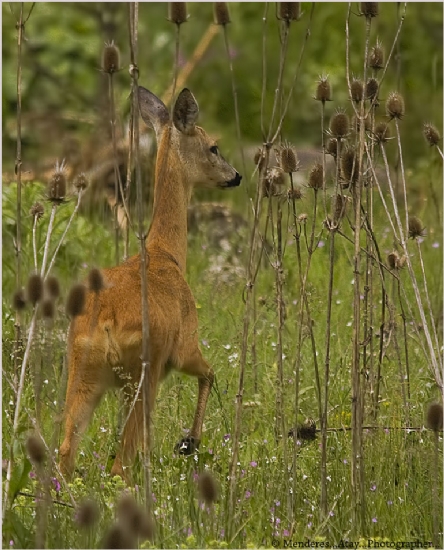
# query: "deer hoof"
{"type": "Point", "coordinates": [187, 446]}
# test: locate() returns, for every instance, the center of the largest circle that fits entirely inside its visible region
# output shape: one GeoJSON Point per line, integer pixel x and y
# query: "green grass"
{"type": "Point", "coordinates": [398, 463]}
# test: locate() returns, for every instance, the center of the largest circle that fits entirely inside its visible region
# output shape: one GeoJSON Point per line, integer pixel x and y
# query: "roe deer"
{"type": "Point", "coordinates": [105, 341]}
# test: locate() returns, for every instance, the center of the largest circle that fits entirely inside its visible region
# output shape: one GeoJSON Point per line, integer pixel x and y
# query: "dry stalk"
{"type": "Point", "coordinates": [134, 18]}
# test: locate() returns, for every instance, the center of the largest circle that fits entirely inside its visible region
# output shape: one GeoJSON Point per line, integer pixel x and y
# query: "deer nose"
{"type": "Point", "coordinates": [235, 181]}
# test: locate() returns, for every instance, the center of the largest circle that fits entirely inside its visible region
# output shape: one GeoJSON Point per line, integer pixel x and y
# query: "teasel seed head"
{"type": "Point", "coordinates": [416, 229]}
{"type": "Point", "coordinates": [221, 13]}
{"type": "Point", "coordinates": [288, 159]}
{"type": "Point", "coordinates": [323, 89]}
{"type": "Point", "coordinates": [178, 12]}
{"type": "Point", "coordinates": [357, 90]}
{"type": "Point", "coordinates": [350, 166]}
{"type": "Point", "coordinates": [392, 259]}
{"type": "Point", "coordinates": [37, 210]}
{"type": "Point", "coordinates": [289, 11]}
{"type": "Point", "coordinates": [81, 182]}
{"type": "Point", "coordinates": [382, 132]}
{"type": "Point", "coordinates": [35, 288]}
{"type": "Point", "coordinates": [52, 287]}
{"type": "Point", "coordinates": [48, 309]}
{"type": "Point", "coordinates": [339, 125]}
{"type": "Point", "coordinates": [431, 134]}
{"type": "Point", "coordinates": [87, 514]}
{"type": "Point", "coordinates": [394, 105]}
{"type": "Point", "coordinates": [57, 184]}
{"type": "Point", "coordinates": [332, 147]}
{"type": "Point", "coordinates": [118, 536]}
{"type": "Point", "coordinates": [372, 89]}
{"type": "Point", "coordinates": [294, 194]}
{"type": "Point", "coordinates": [95, 280]}
{"type": "Point", "coordinates": [434, 419]}
{"type": "Point", "coordinates": [19, 300]}
{"type": "Point", "coordinates": [207, 488]}
{"type": "Point", "coordinates": [369, 9]}
{"type": "Point", "coordinates": [110, 58]}
{"type": "Point", "coordinates": [316, 176]}
{"type": "Point", "coordinates": [376, 57]}
{"type": "Point", "coordinates": [274, 179]}
{"type": "Point", "coordinates": [340, 205]}
{"type": "Point", "coordinates": [36, 450]}
{"type": "Point", "coordinates": [259, 158]}
{"type": "Point", "coordinates": [76, 300]}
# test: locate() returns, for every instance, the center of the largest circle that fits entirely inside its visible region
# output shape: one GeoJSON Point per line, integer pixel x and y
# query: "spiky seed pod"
{"type": "Point", "coordinates": [376, 57]}
{"type": "Point", "coordinates": [119, 537]}
{"type": "Point", "coordinates": [357, 90]}
{"type": "Point", "coordinates": [294, 194]}
{"type": "Point", "coordinates": [52, 287]}
{"type": "Point", "coordinates": [316, 176]}
{"type": "Point", "coordinates": [339, 125]}
{"type": "Point", "coordinates": [332, 147]}
{"type": "Point", "coordinates": [416, 229]}
{"type": "Point", "coordinates": [81, 182]}
{"type": "Point", "coordinates": [48, 309]}
{"type": "Point", "coordinates": [95, 280]}
{"type": "Point", "coordinates": [273, 180]}
{"type": "Point", "coordinates": [372, 89]}
{"type": "Point", "coordinates": [394, 105]}
{"type": "Point", "coordinates": [289, 11]}
{"type": "Point", "coordinates": [35, 288]}
{"type": "Point", "coordinates": [19, 300]}
{"type": "Point", "coordinates": [221, 13]}
{"type": "Point", "coordinates": [207, 488]}
{"type": "Point", "coordinates": [323, 90]}
{"type": "Point", "coordinates": [110, 58]}
{"type": "Point", "coordinates": [431, 134]}
{"type": "Point", "coordinates": [259, 158]}
{"type": "Point", "coordinates": [350, 166]}
{"type": "Point", "coordinates": [57, 184]}
{"type": "Point", "coordinates": [434, 418]}
{"type": "Point", "coordinates": [178, 12]}
{"type": "Point", "coordinates": [382, 132]}
{"type": "Point", "coordinates": [37, 210]}
{"type": "Point", "coordinates": [369, 9]}
{"type": "Point", "coordinates": [288, 159]}
{"type": "Point", "coordinates": [76, 300]}
{"type": "Point", "coordinates": [36, 450]}
{"type": "Point", "coordinates": [87, 514]}
{"type": "Point", "coordinates": [392, 260]}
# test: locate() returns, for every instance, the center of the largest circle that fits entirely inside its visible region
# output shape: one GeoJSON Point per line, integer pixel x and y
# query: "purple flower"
{"type": "Point", "coordinates": [375, 520]}
{"type": "Point", "coordinates": [222, 532]}
{"type": "Point", "coordinates": [227, 437]}
{"type": "Point", "coordinates": [286, 533]}
{"type": "Point", "coordinates": [390, 502]}
{"type": "Point", "coordinates": [205, 343]}
{"type": "Point", "coordinates": [373, 487]}
{"type": "Point", "coordinates": [56, 484]}
{"type": "Point", "coordinates": [321, 244]}
{"type": "Point", "coordinates": [253, 464]}
{"type": "Point", "coordinates": [277, 502]}
{"type": "Point", "coordinates": [247, 494]}
{"type": "Point", "coordinates": [32, 475]}
{"type": "Point", "coordinates": [435, 245]}
{"type": "Point", "coordinates": [309, 524]}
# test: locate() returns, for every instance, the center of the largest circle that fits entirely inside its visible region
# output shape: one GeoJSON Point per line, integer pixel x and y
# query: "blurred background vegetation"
{"type": "Point", "coordinates": [65, 93]}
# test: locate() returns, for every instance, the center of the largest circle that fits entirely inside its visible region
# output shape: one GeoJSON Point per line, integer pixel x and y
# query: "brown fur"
{"type": "Point", "coordinates": [105, 342]}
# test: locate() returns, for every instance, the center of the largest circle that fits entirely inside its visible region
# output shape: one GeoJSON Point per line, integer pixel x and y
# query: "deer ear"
{"type": "Point", "coordinates": [185, 113]}
{"type": "Point", "coordinates": [153, 110]}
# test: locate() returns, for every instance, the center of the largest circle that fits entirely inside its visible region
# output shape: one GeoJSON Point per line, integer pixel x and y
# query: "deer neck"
{"type": "Point", "coordinates": [172, 194]}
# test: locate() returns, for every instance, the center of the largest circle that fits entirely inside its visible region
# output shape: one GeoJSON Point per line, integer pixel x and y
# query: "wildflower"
{"type": "Point", "coordinates": [373, 487]}
{"type": "Point", "coordinates": [394, 105]}
{"type": "Point", "coordinates": [253, 464]}
{"type": "Point", "coordinates": [247, 494]}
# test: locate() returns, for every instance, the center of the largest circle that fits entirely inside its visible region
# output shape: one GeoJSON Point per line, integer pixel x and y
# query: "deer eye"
{"type": "Point", "coordinates": [214, 149]}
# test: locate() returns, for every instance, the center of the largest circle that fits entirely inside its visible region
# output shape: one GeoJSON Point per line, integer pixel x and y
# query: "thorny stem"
{"type": "Point", "coordinates": [76, 208]}
{"type": "Point", "coordinates": [48, 238]}
{"type": "Point", "coordinates": [435, 366]}
{"type": "Point", "coordinates": [231, 500]}
{"type": "Point", "coordinates": [134, 17]}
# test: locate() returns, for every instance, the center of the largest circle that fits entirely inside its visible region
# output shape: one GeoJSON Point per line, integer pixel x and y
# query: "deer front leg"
{"type": "Point", "coordinates": [198, 367]}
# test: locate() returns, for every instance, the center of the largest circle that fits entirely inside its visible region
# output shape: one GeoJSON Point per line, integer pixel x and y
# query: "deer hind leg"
{"type": "Point", "coordinates": [133, 429]}
{"type": "Point", "coordinates": [200, 368]}
{"type": "Point", "coordinates": [84, 391]}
